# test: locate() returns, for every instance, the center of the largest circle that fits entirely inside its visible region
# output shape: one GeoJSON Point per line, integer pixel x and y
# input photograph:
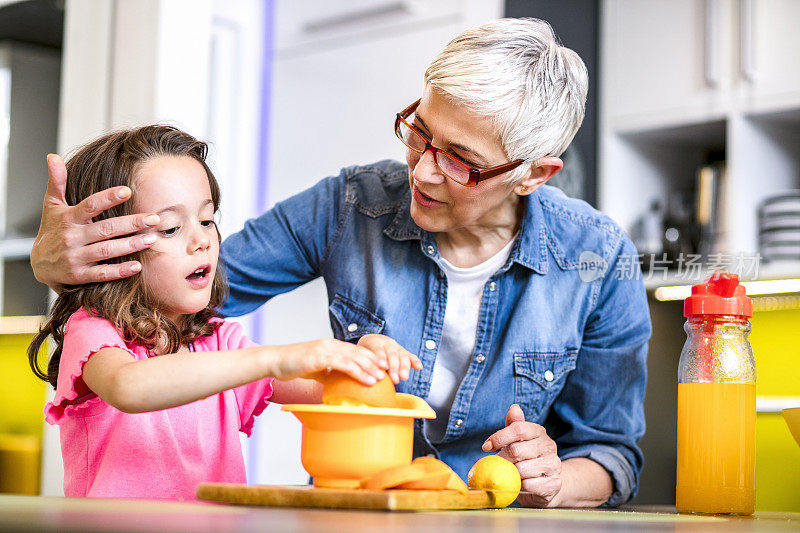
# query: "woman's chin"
{"type": "Point", "coordinates": [422, 219]}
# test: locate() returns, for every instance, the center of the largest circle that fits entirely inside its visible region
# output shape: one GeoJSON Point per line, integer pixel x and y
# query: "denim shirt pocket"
{"type": "Point", "coordinates": [351, 321]}
{"type": "Point", "coordinates": [539, 377]}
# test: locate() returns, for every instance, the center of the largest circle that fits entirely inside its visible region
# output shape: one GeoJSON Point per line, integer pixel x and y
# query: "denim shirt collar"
{"type": "Point", "coordinates": [530, 250]}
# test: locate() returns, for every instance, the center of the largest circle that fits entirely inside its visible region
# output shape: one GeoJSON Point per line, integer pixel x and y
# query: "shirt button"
{"type": "Point", "coordinates": [479, 358]}
{"type": "Point", "coordinates": [431, 249]}
{"type": "Point", "coordinates": [458, 423]}
{"type": "Point", "coordinates": [548, 375]}
{"type": "Point", "coordinates": [352, 327]}
{"type": "Point", "coordinates": [493, 286]}
{"type": "Point", "coordinates": [430, 344]}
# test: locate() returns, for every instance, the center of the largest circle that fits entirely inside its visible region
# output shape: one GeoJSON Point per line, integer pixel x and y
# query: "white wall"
{"type": "Point", "coordinates": [340, 73]}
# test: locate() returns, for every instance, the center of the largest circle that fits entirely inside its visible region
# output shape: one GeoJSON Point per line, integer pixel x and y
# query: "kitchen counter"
{"type": "Point", "coordinates": [36, 513]}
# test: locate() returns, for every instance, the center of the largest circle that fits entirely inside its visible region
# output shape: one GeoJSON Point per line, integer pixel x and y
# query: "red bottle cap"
{"type": "Point", "coordinates": [721, 294]}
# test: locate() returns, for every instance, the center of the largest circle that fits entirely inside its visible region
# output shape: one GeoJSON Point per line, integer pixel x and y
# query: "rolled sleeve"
{"type": "Point", "coordinates": [615, 463]}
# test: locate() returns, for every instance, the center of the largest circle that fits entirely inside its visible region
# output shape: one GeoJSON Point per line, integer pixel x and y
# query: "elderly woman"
{"type": "Point", "coordinates": [533, 345]}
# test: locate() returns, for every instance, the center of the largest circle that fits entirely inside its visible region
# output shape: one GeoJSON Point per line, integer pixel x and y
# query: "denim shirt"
{"type": "Point", "coordinates": [560, 332]}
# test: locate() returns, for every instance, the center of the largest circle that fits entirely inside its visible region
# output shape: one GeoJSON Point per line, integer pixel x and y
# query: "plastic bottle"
{"type": "Point", "coordinates": [717, 401]}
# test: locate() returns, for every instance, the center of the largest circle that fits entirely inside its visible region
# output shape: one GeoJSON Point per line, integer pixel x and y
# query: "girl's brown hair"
{"type": "Point", "coordinates": [111, 161]}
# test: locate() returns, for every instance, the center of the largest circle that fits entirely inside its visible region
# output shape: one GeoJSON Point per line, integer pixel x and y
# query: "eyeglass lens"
{"type": "Point", "coordinates": [446, 164]}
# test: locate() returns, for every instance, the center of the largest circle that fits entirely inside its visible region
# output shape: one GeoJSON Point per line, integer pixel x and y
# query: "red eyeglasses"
{"type": "Point", "coordinates": [449, 164]}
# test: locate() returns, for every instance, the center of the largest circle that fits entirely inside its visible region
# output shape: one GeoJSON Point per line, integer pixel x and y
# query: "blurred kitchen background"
{"type": "Point", "coordinates": [691, 142]}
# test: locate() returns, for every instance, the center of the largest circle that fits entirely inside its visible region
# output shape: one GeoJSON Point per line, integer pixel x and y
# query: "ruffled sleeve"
{"type": "Point", "coordinates": [251, 398]}
{"type": "Point", "coordinates": [84, 335]}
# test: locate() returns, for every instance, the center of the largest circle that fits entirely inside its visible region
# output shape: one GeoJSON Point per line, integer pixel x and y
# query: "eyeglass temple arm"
{"type": "Point", "coordinates": [478, 175]}
{"type": "Point", "coordinates": [410, 109]}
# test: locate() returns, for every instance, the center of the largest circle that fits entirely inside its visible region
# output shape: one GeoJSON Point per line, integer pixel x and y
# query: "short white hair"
{"type": "Point", "coordinates": [515, 72]}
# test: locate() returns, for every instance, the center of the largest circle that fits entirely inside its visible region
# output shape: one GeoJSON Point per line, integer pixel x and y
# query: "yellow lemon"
{"type": "Point", "coordinates": [498, 476]}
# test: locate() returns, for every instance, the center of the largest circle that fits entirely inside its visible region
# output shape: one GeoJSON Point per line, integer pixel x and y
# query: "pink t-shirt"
{"type": "Point", "coordinates": [162, 454]}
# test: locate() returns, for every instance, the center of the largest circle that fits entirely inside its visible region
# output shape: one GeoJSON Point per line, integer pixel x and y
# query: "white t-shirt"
{"type": "Point", "coordinates": [464, 290]}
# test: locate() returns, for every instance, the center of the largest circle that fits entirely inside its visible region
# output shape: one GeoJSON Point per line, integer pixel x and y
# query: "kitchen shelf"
{"type": "Point", "coordinates": [20, 325]}
{"type": "Point", "coordinates": [29, 95]}
{"type": "Point", "coordinates": [767, 272]}
{"type": "Point", "coordinates": [16, 248]}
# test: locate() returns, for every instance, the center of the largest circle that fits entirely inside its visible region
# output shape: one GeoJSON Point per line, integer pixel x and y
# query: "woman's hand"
{"type": "Point", "coordinates": [310, 359]}
{"type": "Point", "coordinates": [69, 245]}
{"type": "Point", "coordinates": [535, 455]}
{"type": "Point", "coordinates": [399, 360]}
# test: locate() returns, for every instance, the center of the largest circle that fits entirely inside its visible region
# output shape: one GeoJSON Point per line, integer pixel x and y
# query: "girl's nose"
{"type": "Point", "coordinates": [426, 170]}
{"type": "Point", "coordinates": [200, 239]}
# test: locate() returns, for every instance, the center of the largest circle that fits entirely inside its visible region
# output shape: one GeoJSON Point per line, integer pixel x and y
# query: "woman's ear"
{"type": "Point", "coordinates": [544, 169]}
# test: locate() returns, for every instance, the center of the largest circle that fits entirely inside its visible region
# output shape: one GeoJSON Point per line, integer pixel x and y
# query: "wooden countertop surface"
{"type": "Point", "coordinates": [49, 514]}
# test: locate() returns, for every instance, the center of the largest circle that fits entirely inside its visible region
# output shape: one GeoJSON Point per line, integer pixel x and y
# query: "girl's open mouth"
{"type": "Point", "coordinates": [200, 274]}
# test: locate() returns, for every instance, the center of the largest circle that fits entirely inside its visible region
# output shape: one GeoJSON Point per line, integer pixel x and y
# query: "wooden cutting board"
{"type": "Point", "coordinates": [308, 496]}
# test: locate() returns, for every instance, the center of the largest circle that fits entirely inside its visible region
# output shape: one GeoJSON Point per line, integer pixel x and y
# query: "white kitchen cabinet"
{"type": "Point", "coordinates": [687, 61]}
{"type": "Point", "coordinates": [685, 78]}
{"type": "Point", "coordinates": [770, 54]}
{"type": "Point", "coordinates": [29, 88]}
{"type": "Point", "coordinates": [312, 24]}
{"type": "Point", "coordinates": [666, 63]}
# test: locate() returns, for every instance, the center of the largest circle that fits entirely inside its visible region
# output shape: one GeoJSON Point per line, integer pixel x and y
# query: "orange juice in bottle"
{"type": "Point", "coordinates": [716, 401]}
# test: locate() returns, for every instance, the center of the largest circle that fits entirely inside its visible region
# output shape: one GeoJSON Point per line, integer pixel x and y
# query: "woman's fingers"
{"type": "Point", "coordinates": [111, 228]}
{"type": "Point", "coordinates": [99, 273]}
{"type": "Point", "coordinates": [534, 448]}
{"type": "Point", "coordinates": [83, 261]}
{"type": "Point", "coordinates": [540, 491]}
{"type": "Point", "coordinates": [514, 432]}
{"type": "Point", "coordinates": [105, 248]}
{"type": "Point", "coordinates": [69, 245]}
{"type": "Point", "coordinates": [98, 202]}
{"type": "Point", "coordinates": [547, 466]}
{"type": "Point", "coordinates": [541, 480]}
{"type": "Point", "coordinates": [56, 181]}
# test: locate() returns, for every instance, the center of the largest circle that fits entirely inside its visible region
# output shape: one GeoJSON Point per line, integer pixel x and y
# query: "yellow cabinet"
{"type": "Point", "coordinates": [22, 398]}
{"type": "Point", "coordinates": [777, 353]}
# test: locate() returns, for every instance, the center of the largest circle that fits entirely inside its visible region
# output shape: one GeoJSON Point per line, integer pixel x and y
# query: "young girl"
{"type": "Point", "coordinates": [151, 388]}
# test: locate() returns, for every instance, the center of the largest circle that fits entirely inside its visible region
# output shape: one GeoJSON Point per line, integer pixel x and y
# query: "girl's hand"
{"type": "Point", "coordinates": [399, 361]}
{"type": "Point", "coordinates": [309, 359]}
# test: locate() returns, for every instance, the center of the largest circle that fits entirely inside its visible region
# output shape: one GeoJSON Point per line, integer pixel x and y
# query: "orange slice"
{"type": "Point", "coordinates": [431, 464]}
{"type": "Point", "coordinates": [394, 476]}
{"type": "Point", "coordinates": [429, 482]}
{"type": "Point", "coordinates": [439, 477]}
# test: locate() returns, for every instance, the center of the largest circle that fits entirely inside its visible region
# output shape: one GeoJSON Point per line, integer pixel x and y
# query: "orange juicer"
{"type": "Point", "coordinates": [342, 444]}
